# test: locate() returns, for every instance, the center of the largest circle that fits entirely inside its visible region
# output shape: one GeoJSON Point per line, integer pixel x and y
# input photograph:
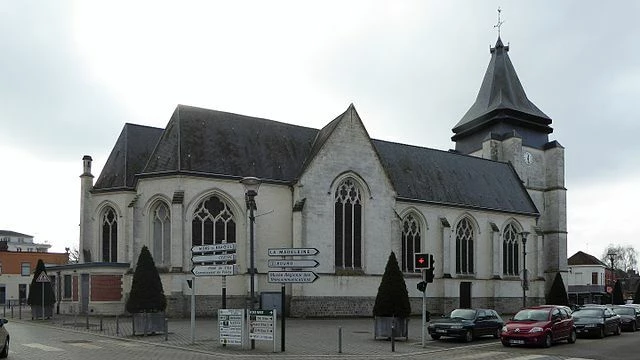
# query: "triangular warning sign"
{"type": "Point", "coordinates": [43, 278]}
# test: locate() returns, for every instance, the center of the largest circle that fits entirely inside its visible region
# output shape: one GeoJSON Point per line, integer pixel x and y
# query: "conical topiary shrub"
{"type": "Point", "coordinates": [146, 293]}
{"type": "Point", "coordinates": [393, 297]}
{"type": "Point", "coordinates": [392, 308]}
{"type": "Point", "coordinates": [557, 294]}
{"type": "Point", "coordinates": [636, 296]}
{"type": "Point", "coordinates": [36, 289]}
{"type": "Point", "coordinates": [617, 297]}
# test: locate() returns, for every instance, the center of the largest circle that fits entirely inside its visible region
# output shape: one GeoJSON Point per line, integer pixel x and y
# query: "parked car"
{"type": "Point", "coordinates": [4, 339]}
{"type": "Point", "coordinates": [467, 324]}
{"type": "Point", "coordinates": [596, 320]}
{"type": "Point", "coordinates": [629, 316]}
{"type": "Point", "coordinates": [539, 325]}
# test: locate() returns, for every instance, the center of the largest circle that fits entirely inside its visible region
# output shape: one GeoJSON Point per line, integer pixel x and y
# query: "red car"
{"type": "Point", "coordinates": [539, 325]}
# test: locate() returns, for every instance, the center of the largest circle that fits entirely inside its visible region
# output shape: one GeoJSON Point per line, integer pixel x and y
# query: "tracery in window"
{"type": "Point", "coordinates": [109, 235]}
{"type": "Point", "coordinates": [510, 253]}
{"type": "Point", "coordinates": [213, 223]}
{"type": "Point", "coordinates": [161, 226]}
{"type": "Point", "coordinates": [410, 242]}
{"type": "Point", "coordinates": [464, 247]}
{"type": "Point", "coordinates": [348, 225]}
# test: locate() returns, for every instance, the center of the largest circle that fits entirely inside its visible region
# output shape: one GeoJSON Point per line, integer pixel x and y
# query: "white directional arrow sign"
{"type": "Point", "coordinates": [214, 270]}
{"type": "Point", "coordinates": [212, 258]}
{"type": "Point", "coordinates": [292, 276]}
{"type": "Point", "coordinates": [214, 247]}
{"type": "Point", "coordinates": [302, 263]}
{"type": "Point", "coordinates": [293, 251]}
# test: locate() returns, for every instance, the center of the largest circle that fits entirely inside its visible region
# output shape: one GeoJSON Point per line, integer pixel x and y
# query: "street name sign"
{"type": "Point", "coordinates": [212, 258]}
{"type": "Point", "coordinates": [292, 276]}
{"type": "Point", "coordinates": [293, 251]}
{"type": "Point", "coordinates": [214, 270]}
{"type": "Point", "coordinates": [213, 248]}
{"type": "Point", "coordinates": [300, 263]}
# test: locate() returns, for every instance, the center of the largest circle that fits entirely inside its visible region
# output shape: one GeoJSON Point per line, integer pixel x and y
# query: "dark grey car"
{"type": "Point", "coordinates": [629, 316]}
{"type": "Point", "coordinates": [596, 320]}
{"type": "Point", "coordinates": [467, 324]}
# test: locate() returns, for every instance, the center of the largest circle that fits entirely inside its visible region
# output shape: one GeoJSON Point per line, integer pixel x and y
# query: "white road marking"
{"type": "Point", "coordinates": [480, 355]}
{"type": "Point", "coordinates": [43, 347]}
{"type": "Point", "coordinates": [529, 357]}
{"type": "Point", "coordinates": [87, 346]}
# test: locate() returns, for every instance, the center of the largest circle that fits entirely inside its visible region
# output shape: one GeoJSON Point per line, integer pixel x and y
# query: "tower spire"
{"type": "Point", "coordinates": [500, 22]}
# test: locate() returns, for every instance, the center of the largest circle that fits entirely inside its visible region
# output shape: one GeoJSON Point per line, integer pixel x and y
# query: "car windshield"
{"type": "Point", "coordinates": [580, 313]}
{"type": "Point", "coordinates": [624, 311]}
{"type": "Point", "coordinates": [466, 314]}
{"type": "Point", "coordinates": [532, 315]}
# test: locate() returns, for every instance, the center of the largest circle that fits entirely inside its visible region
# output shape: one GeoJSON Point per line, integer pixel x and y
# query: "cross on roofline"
{"type": "Point", "coordinates": [500, 22]}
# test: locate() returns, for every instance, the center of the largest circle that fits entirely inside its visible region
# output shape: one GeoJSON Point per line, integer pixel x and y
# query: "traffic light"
{"type": "Point", "coordinates": [422, 286]}
{"type": "Point", "coordinates": [429, 275]}
{"type": "Point", "coordinates": [421, 260]}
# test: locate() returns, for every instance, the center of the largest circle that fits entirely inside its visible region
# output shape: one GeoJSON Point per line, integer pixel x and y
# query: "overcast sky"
{"type": "Point", "coordinates": [73, 73]}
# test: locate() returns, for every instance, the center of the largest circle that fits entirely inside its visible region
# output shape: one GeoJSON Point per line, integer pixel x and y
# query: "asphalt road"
{"type": "Point", "coordinates": [34, 341]}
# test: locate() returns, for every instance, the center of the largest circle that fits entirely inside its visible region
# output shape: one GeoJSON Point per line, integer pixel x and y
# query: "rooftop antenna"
{"type": "Point", "coordinates": [500, 22]}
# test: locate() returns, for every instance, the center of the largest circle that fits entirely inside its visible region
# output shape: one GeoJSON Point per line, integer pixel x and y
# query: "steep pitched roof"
{"type": "Point", "coordinates": [582, 258]}
{"type": "Point", "coordinates": [128, 157]}
{"type": "Point", "coordinates": [450, 178]}
{"type": "Point", "coordinates": [501, 97]}
{"type": "Point", "coordinates": [208, 142]}
{"type": "Point", "coordinates": [13, 234]}
{"type": "Point", "coordinates": [224, 145]}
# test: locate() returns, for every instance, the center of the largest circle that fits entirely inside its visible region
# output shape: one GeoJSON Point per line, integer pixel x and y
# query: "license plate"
{"type": "Point", "coordinates": [518, 342]}
{"type": "Point", "coordinates": [441, 330]}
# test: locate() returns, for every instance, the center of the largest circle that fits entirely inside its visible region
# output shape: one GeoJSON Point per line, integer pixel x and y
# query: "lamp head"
{"type": "Point", "coordinates": [251, 185]}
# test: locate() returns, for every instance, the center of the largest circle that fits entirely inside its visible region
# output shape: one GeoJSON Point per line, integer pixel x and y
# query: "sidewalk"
{"type": "Point", "coordinates": [303, 337]}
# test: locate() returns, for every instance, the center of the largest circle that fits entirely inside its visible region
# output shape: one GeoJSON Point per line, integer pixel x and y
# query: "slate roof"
{"type": "Point", "coordinates": [224, 145]}
{"type": "Point", "coordinates": [501, 97]}
{"type": "Point", "coordinates": [128, 157]}
{"type": "Point", "coordinates": [13, 234]}
{"type": "Point", "coordinates": [582, 258]}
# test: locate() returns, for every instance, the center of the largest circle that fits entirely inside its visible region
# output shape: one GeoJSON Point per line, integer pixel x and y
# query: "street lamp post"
{"type": "Point", "coordinates": [251, 185]}
{"type": "Point", "coordinates": [612, 257]}
{"type": "Point", "coordinates": [525, 280]}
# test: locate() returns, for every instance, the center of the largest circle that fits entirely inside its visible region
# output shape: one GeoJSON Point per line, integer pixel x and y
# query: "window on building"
{"type": "Point", "coordinates": [67, 287]}
{"type": "Point", "coordinates": [213, 223]}
{"type": "Point", "coordinates": [161, 234]}
{"type": "Point", "coordinates": [348, 225]}
{"type": "Point", "coordinates": [510, 251]}
{"type": "Point", "coordinates": [594, 278]}
{"type": "Point", "coordinates": [464, 247]}
{"type": "Point", "coordinates": [410, 242]}
{"type": "Point", "coordinates": [109, 235]}
{"type": "Point", "coordinates": [25, 269]}
{"type": "Point", "coordinates": [22, 294]}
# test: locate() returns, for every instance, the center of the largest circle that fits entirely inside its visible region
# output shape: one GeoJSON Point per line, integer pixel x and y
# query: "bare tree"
{"type": "Point", "coordinates": [625, 257]}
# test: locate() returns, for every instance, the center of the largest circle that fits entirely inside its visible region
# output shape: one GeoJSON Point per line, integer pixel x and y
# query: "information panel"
{"type": "Point", "coordinates": [231, 324]}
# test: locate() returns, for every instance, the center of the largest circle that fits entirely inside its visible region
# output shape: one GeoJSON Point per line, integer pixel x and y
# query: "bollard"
{"type": "Point", "coordinates": [12, 312]}
{"type": "Point", "coordinates": [117, 326]}
{"type": "Point", "coordinates": [393, 338]}
{"type": "Point", "coordinates": [339, 339]}
{"type": "Point", "coordinates": [20, 312]}
{"type": "Point", "coordinates": [101, 322]}
{"type": "Point", "coordinates": [87, 317]}
{"type": "Point", "coordinates": [166, 329]}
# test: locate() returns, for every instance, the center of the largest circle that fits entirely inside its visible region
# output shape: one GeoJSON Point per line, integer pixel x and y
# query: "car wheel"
{"type": "Point", "coordinates": [505, 344]}
{"type": "Point", "coordinates": [618, 330]}
{"type": "Point", "coordinates": [601, 333]}
{"type": "Point", "coordinates": [468, 336]}
{"type": "Point", "coordinates": [572, 336]}
{"type": "Point", "coordinates": [435, 336]}
{"type": "Point", "coordinates": [634, 328]}
{"type": "Point", "coordinates": [5, 349]}
{"type": "Point", "coordinates": [496, 334]}
{"type": "Point", "coordinates": [547, 340]}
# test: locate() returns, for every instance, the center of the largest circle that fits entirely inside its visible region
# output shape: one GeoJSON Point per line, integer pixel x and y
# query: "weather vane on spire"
{"type": "Point", "coordinates": [500, 22]}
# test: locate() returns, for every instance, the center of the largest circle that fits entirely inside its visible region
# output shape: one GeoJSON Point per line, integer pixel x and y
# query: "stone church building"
{"type": "Point", "coordinates": [353, 198]}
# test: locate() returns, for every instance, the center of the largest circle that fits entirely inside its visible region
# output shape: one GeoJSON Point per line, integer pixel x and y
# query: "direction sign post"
{"type": "Point", "coordinates": [292, 276]}
{"type": "Point", "coordinates": [43, 278]}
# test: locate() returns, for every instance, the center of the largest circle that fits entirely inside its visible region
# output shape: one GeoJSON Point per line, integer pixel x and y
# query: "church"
{"type": "Point", "coordinates": [486, 211]}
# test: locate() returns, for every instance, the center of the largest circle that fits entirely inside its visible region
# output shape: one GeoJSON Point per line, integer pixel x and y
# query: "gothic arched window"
{"type": "Point", "coordinates": [161, 237]}
{"type": "Point", "coordinates": [464, 247]}
{"type": "Point", "coordinates": [510, 251]}
{"type": "Point", "coordinates": [348, 225]}
{"type": "Point", "coordinates": [410, 242]}
{"type": "Point", "coordinates": [109, 235]}
{"type": "Point", "coordinates": [213, 223]}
